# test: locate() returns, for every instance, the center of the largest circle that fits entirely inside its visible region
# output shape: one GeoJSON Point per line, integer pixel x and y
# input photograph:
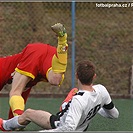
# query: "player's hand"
{"type": "Point", "coordinates": [59, 29]}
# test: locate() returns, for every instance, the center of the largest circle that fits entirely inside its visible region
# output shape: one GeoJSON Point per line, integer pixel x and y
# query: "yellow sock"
{"type": "Point", "coordinates": [17, 105]}
{"type": "Point", "coordinates": [59, 61]}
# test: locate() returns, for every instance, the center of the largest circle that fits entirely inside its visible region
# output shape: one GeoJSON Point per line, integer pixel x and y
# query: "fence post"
{"type": "Point", "coordinates": [131, 86]}
{"type": "Point", "coordinates": [73, 44]}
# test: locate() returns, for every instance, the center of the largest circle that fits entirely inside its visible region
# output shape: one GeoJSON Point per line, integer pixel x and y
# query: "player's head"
{"type": "Point", "coordinates": [85, 72]}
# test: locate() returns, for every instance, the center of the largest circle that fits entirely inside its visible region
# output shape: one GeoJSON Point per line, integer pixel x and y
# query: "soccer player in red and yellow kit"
{"type": "Point", "coordinates": [37, 62]}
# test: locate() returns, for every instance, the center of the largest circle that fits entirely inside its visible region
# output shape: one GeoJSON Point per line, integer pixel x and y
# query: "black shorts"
{"type": "Point", "coordinates": [54, 121]}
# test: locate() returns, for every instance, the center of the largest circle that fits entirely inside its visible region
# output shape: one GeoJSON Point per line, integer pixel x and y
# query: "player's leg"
{"type": "Point", "coordinates": [10, 124]}
{"type": "Point", "coordinates": [1, 76]}
{"type": "Point", "coordinates": [39, 117]}
{"type": "Point", "coordinates": [25, 96]}
{"type": "Point", "coordinates": [10, 114]}
{"type": "Point", "coordinates": [59, 61]}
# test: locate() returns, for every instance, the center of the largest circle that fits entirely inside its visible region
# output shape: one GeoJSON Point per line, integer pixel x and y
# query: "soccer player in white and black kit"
{"type": "Point", "coordinates": [77, 109]}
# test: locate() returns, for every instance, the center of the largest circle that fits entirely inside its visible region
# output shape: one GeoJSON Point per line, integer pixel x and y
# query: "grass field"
{"type": "Point", "coordinates": [123, 123]}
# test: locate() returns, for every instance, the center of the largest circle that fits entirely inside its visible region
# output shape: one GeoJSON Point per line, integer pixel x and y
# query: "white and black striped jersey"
{"type": "Point", "coordinates": [78, 112]}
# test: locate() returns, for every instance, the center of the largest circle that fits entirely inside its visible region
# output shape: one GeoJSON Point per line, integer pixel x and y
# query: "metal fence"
{"type": "Point", "coordinates": [102, 34]}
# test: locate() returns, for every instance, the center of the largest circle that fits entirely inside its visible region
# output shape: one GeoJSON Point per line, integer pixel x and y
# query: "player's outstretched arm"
{"type": "Point", "coordinates": [109, 113]}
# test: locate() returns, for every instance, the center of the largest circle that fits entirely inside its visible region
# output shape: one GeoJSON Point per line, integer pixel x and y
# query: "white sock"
{"type": "Point", "coordinates": [12, 124]}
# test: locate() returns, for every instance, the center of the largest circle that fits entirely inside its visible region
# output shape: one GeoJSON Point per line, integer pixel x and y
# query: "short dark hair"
{"type": "Point", "coordinates": [85, 72]}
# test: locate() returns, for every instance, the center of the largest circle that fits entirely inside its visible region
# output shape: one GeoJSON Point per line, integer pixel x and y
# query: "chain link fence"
{"type": "Point", "coordinates": [103, 35]}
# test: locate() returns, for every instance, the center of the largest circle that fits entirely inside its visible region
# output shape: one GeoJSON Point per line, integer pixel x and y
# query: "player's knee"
{"type": "Point", "coordinates": [28, 112]}
{"type": "Point", "coordinates": [55, 78]}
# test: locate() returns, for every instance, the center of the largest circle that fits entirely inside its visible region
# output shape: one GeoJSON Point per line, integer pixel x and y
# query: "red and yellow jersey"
{"type": "Point", "coordinates": [34, 61]}
{"type": "Point", "coordinates": [7, 67]}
